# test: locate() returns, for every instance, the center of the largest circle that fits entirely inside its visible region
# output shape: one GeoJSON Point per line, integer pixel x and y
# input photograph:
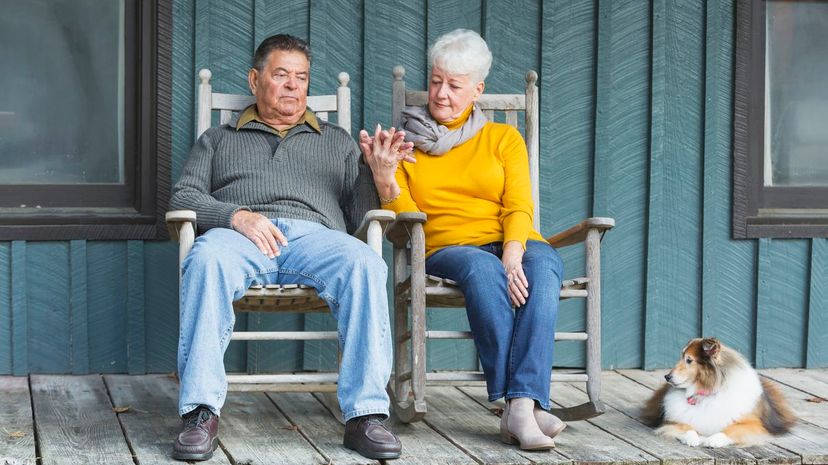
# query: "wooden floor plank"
{"type": "Point", "coordinates": [75, 422]}
{"type": "Point", "coordinates": [151, 420]}
{"type": "Point", "coordinates": [253, 431]}
{"type": "Point", "coordinates": [806, 406]}
{"type": "Point", "coordinates": [317, 424]}
{"type": "Point", "coordinates": [804, 380]}
{"type": "Point", "coordinates": [628, 428]}
{"type": "Point", "coordinates": [475, 430]}
{"type": "Point", "coordinates": [583, 442]}
{"type": "Point", "coordinates": [17, 443]}
{"type": "Point", "coordinates": [421, 444]}
{"type": "Point", "coordinates": [769, 453]}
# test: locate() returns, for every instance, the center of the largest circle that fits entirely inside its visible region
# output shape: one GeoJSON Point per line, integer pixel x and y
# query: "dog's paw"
{"type": "Point", "coordinates": [718, 440]}
{"type": "Point", "coordinates": [691, 438]}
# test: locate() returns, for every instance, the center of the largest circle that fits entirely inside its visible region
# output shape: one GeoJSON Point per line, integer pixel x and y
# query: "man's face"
{"type": "Point", "coordinates": [281, 88]}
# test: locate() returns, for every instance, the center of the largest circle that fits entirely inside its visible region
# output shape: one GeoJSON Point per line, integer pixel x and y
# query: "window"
{"type": "Point", "coordinates": [781, 120]}
{"type": "Point", "coordinates": [81, 153]}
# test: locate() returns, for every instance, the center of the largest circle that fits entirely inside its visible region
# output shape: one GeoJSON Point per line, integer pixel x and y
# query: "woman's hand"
{"type": "Point", "coordinates": [384, 151]}
{"type": "Point", "coordinates": [517, 285]}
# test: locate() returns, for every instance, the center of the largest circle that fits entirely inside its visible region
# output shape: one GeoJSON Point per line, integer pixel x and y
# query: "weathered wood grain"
{"type": "Point", "coordinates": [673, 248]}
{"type": "Point", "coordinates": [473, 429]}
{"type": "Point", "coordinates": [728, 266]}
{"type": "Point", "coordinates": [75, 422]}
{"type": "Point", "coordinates": [781, 313]}
{"type": "Point", "coordinates": [622, 126]}
{"type": "Point", "coordinates": [817, 349]}
{"type": "Point", "coordinates": [48, 289]}
{"type": "Point", "coordinates": [78, 304]}
{"type": "Point", "coordinates": [253, 431]}
{"type": "Point", "coordinates": [106, 315]}
{"type": "Point", "coordinates": [581, 441]}
{"type": "Point", "coordinates": [17, 434]}
{"type": "Point", "coordinates": [161, 305]}
{"type": "Point", "coordinates": [151, 420]}
{"type": "Point", "coordinates": [6, 312]}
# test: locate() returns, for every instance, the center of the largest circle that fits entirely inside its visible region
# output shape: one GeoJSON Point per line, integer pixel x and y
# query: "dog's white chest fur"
{"type": "Point", "coordinates": [737, 396]}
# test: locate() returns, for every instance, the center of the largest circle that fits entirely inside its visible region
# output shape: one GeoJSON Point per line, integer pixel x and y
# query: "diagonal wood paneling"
{"type": "Point", "coordinates": [79, 317]}
{"type": "Point", "coordinates": [782, 302]}
{"type": "Point", "coordinates": [19, 309]}
{"type": "Point", "coordinates": [622, 126]}
{"type": "Point", "coordinates": [5, 309]}
{"type": "Point", "coordinates": [136, 323]}
{"type": "Point", "coordinates": [106, 306]}
{"type": "Point", "coordinates": [161, 305]}
{"type": "Point", "coordinates": [817, 349]}
{"type": "Point", "coordinates": [674, 229]}
{"type": "Point", "coordinates": [183, 83]}
{"type": "Point", "coordinates": [567, 130]}
{"type": "Point", "coordinates": [48, 296]}
{"type": "Point", "coordinates": [728, 266]}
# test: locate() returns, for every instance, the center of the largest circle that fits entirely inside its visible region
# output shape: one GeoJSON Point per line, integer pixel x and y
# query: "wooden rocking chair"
{"type": "Point", "coordinates": [415, 290]}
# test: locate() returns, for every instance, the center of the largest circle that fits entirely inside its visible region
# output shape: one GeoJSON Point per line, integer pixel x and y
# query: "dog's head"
{"type": "Point", "coordinates": [698, 365]}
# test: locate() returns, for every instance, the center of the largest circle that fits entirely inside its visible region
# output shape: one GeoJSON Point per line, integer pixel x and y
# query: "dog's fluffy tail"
{"type": "Point", "coordinates": [653, 412]}
{"type": "Point", "coordinates": [777, 417]}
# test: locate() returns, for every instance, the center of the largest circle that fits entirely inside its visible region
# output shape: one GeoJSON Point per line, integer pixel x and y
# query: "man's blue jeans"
{"type": "Point", "coordinates": [515, 347]}
{"type": "Point", "coordinates": [345, 272]}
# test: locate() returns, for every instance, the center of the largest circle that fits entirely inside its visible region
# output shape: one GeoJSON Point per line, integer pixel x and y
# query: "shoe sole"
{"type": "Point", "coordinates": [374, 455]}
{"type": "Point", "coordinates": [196, 457]}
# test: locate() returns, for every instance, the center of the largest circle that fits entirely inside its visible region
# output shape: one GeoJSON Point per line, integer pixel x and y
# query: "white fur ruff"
{"type": "Point", "coordinates": [739, 393]}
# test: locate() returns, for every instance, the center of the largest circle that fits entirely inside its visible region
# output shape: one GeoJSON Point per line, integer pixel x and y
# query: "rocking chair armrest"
{"type": "Point", "coordinates": [398, 230]}
{"type": "Point", "coordinates": [176, 219]}
{"type": "Point", "coordinates": [372, 226]}
{"type": "Point", "coordinates": [578, 233]}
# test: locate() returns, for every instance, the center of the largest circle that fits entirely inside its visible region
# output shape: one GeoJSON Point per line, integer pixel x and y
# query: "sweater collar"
{"type": "Point", "coordinates": [251, 115]}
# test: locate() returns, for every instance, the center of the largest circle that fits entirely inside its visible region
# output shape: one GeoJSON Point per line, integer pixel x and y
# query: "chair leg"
{"type": "Point", "coordinates": [593, 323]}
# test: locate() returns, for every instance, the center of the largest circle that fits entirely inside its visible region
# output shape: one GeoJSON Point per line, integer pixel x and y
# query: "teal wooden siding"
{"type": "Point", "coordinates": [636, 123]}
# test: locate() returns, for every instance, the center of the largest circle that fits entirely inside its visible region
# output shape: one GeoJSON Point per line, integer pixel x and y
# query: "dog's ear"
{"type": "Point", "coordinates": [711, 347]}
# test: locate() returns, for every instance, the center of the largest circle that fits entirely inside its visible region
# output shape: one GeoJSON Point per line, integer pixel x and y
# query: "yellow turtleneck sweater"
{"type": "Point", "coordinates": [476, 193]}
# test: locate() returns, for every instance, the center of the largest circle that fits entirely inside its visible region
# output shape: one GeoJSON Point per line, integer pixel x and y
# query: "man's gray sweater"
{"type": "Point", "coordinates": [314, 176]}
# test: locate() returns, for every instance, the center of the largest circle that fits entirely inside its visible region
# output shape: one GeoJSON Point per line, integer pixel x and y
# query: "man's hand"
{"type": "Point", "coordinates": [384, 151]}
{"type": "Point", "coordinates": [260, 230]}
{"type": "Point", "coordinates": [517, 284]}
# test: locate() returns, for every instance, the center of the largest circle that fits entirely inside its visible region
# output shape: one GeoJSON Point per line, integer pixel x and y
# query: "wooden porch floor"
{"type": "Point", "coordinates": [120, 419]}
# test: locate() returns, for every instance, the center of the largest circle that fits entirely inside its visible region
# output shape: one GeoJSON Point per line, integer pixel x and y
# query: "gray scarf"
{"type": "Point", "coordinates": [432, 137]}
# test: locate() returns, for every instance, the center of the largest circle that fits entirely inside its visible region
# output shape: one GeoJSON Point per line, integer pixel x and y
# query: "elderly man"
{"type": "Point", "coordinates": [275, 192]}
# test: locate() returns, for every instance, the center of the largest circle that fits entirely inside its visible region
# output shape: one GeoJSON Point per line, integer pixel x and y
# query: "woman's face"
{"type": "Point", "coordinates": [450, 94]}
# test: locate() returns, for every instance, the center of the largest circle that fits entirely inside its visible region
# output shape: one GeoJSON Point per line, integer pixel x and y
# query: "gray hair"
{"type": "Point", "coordinates": [283, 42]}
{"type": "Point", "coordinates": [461, 51]}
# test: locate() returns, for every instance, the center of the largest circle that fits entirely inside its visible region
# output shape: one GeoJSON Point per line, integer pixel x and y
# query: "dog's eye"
{"type": "Point", "coordinates": [689, 361]}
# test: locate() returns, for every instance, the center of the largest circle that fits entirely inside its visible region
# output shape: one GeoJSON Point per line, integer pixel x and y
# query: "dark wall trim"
{"type": "Point", "coordinates": [750, 196]}
{"type": "Point", "coordinates": [133, 211]}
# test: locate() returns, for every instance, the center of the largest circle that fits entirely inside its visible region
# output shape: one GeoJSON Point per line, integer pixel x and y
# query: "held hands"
{"type": "Point", "coordinates": [260, 230]}
{"type": "Point", "coordinates": [384, 151]}
{"type": "Point", "coordinates": [517, 284]}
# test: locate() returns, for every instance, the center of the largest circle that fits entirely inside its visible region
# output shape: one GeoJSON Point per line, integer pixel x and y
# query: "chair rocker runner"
{"type": "Point", "coordinates": [277, 298]}
{"type": "Point", "coordinates": [414, 290]}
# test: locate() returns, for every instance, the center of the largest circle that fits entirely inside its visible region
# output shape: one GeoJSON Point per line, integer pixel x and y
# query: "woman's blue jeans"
{"type": "Point", "coordinates": [515, 347]}
{"type": "Point", "coordinates": [344, 271]}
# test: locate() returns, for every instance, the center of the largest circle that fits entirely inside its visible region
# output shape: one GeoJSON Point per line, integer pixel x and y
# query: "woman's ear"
{"type": "Point", "coordinates": [478, 89]}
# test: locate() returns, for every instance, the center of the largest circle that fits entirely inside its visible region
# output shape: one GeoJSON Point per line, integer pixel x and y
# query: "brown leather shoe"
{"type": "Point", "coordinates": [369, 436]}
{"type": "Point", "coordinates": [198, 437]}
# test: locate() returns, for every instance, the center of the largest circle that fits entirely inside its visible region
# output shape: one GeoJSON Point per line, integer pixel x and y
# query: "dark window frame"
{"type": "Point", "coordinates": [136, 209]}
{"type": "Point", "coordinates": [751, 198]}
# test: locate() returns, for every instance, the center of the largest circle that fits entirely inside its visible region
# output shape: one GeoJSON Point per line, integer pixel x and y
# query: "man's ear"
{"type": "Point", "coordinates": [253, 79]}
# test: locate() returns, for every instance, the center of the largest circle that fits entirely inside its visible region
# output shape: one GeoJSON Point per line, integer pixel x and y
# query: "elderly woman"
{"type": "Point", "coordinates": [471, 178]}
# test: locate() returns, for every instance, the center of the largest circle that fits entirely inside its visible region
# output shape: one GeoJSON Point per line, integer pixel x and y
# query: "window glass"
{"type": "Point", "coordinates": [796, 100]}
{"type": "Point", "coordinates": [62, 80]}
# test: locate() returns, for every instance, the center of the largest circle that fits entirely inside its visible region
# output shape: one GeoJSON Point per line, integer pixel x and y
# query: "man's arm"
{"type": "Point", "coordinates": [192, 191]}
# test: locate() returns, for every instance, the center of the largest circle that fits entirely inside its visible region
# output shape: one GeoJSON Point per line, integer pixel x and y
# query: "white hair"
{"type": "Point", "coordinates": [461, 51]}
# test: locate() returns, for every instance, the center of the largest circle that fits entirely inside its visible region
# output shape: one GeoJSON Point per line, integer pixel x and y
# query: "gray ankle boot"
{"type": "Point", "coordinates": [548, 423]}
{"type": "Point", "coordinates": [518, 426]}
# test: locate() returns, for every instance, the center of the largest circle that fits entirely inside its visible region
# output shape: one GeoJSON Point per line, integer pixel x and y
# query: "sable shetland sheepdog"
{"type": "Point", "coordinates": [714, 398]}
